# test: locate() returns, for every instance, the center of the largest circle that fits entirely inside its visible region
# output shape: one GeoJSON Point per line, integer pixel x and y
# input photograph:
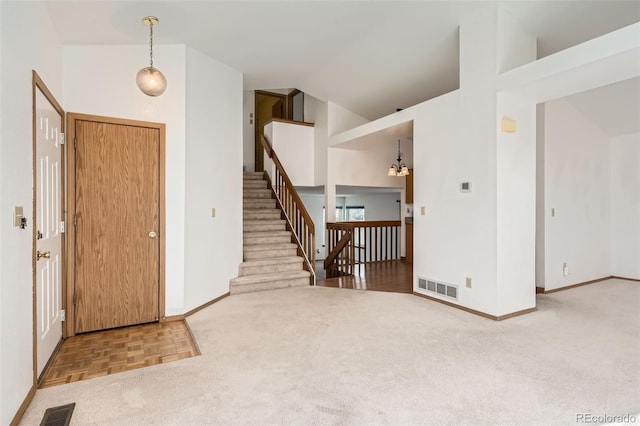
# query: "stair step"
{"type": "Point", "coordinates": [263, 225]}
{"type": "Point", "coordinates": [269, 251]}
{"type": "Point", "coordinates": [251, 193]}
{"type": "Point", "coordinates": [270, 258]}
{"type": "Point", "coordinates": [257, 184]}
{"type": "Point", "coordinates": [253, 175]}
{"type": "Point", "coordinates": [270, 265]}
{"type": "Point", "coordinates": [259, 203]}
{"type": "Point", "coordinates": [266, 237]}
{"type": "Point", "coordinates": [272, 281]}
{"type": "Point", "coordinates": [256, 214]}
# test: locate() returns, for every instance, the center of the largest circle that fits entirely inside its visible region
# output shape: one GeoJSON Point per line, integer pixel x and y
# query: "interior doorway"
{"type": "Point", "coordinates": [268, 105]}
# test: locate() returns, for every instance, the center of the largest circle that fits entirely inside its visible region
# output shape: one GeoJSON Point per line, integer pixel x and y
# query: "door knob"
{"type": "Point", "coordinates": [153, 234]}
{"type": "Point", "coordinates": [46, 255]}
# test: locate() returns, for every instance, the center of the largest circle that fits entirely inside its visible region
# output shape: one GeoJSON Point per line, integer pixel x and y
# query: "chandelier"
{"type": "Point", "coordinates": [149, 79]}
{"type": "Point", "coordinates": [399, 169]}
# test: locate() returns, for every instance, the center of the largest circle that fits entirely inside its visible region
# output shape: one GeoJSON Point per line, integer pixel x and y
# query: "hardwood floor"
{"type": "Point", "coordinates": [391, 275]}
{"type": "Point", "coordinates": [100, 353]}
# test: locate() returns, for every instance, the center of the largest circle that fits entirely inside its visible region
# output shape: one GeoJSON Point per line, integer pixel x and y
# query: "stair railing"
{"type": "Point", "coordinates": [341, 258]}
{"type": "Point", "coordinates": [352, 243]}
{"type": "Point", "coordinates": [298, 219]}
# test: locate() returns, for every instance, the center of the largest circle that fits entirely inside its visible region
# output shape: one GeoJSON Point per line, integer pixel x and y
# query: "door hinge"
{"type": "Point", "coordinates": [62, 138]}
{"type": "Point", "coordinates": [62, 226]}
{"type": "Point", "coordinates": [75, 220]}
{"type": "Point", "coordinates": [74, 299]}
{"type": "Point", "coordinates": [63, 315]}
{"type": "Point", "coordinates": [75, 143]}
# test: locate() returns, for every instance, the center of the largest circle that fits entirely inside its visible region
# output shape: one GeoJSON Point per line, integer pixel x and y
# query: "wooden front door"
{"type": "Point", "coordinates": [49, 216]}
{"type": "Point", "coordinates": [117, 197]}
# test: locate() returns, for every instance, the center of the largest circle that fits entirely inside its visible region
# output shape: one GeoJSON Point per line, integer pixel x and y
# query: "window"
{"type": "Point", "coordinates": [350, 213]}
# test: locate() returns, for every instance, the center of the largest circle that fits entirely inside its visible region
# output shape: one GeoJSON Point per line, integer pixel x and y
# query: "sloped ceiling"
{"type": "Point", "coordinates": [370, 57]}
{"type": "Point", "coordinates": [615, 108]}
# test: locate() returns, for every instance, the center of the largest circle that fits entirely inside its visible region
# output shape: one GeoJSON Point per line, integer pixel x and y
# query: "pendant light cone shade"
{"type": "Point", "coordinates": [149, 79]}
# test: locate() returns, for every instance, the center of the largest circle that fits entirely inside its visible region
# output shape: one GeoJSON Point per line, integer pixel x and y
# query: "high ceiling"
{"type": "Point", "coordinates": [371, 57]}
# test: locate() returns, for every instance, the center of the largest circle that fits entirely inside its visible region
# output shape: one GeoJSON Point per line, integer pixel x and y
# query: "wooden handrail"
{"type": "Point", "coordinates": [298, 218]}
{"type": "Point", "coordinates": [284, 120]}
{"type": "Point", "coordinates": [351, 243]}
{"type": "Point", "coordinates": [365, 224]}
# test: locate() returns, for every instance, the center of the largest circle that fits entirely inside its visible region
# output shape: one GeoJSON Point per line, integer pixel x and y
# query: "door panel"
{"type": "Point", "coordinates": [48, 215]}
{"type": "Point", "coordinates": [117, 194]}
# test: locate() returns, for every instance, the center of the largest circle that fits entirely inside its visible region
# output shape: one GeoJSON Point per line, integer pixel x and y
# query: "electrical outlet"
{"type": "Point", "coordinates": [468, 282]}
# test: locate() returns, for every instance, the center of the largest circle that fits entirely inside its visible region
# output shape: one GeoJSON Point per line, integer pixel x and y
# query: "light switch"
{"type": "Point", "coordinates": [213, 212]}
{"type": "Point", "coordinates": [553, 212]}
{"type": "Point", "coordinates": [17, 215]}
{"type": "Point", "coordinates": [423, 209]}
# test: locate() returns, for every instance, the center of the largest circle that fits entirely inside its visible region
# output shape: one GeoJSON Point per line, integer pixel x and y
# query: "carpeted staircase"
{"type": "Point", "coordinates": [270, 259]}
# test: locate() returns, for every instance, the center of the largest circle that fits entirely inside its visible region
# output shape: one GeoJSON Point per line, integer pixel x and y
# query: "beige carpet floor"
{"type": "Point", "coordinates": [330, 356]}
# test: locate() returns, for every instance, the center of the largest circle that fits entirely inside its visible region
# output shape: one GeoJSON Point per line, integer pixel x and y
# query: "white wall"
{"type": "Point", "coordinates": [315, 111]}
{"type": "Point", "coordinates": [515, 46]}
{"type": "Point", "coordinates": [454, 142]}
{"type": "Point", "coordinates": [28, 42]}
{"type": "Point", "coordinates": [516, 174]}
{"type": "Point", "coordinates": [248, 130]}
{"type": "Point", "coordinates": [488, 234]}
{"type": "Point", "coordinates": [213, 246]}
{"type": "Point", "coordinates": [540, 206]}
{"type": "Point", "coordinates": [378, 206]}
{"type": "Point", "coordinates": [516, 202]}
{"type": "Point", "coordinates": [358, 168]}
{"type": "Point", "coordinates": [315, 205]}
{"type": "Point", "coordinates": [625, 206]}
{"type": "Point", "coordinates": [341, 119]}
{"type": "Point", "coordinates": [456, 238]}
{"type": "Point", "coordinates": [2, 217]}
{"type": "Point", "coordinates": [294, 145]}
{"type": "Point", "coordinates": [577, 184]}
{"type": "Point", "coordinates": [204, 154]}
{"type": "Point", "coordinates": [116, 95]}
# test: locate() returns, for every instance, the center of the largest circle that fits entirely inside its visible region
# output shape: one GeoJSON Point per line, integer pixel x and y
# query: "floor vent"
{"type": "Point", "coordinates": [443, 289]}
{"type": "Point", "coordinates": [422, 283]}
{"type": "Point", "coordinates": [58, 416]}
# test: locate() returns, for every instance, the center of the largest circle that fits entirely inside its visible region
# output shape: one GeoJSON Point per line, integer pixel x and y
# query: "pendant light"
{"type": "Point", "coordinates": [149, 79]}
{"type": "Point", "coordinates": [399, 169]}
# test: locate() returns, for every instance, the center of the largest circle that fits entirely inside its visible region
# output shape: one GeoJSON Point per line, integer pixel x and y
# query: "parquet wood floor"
{"type": "Point", "coordinates": [96, 354]}
{"type": "Point", "coordinates": [391, 275]}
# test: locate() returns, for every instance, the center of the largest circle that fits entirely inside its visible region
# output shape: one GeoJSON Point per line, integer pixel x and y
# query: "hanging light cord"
{"type": "Point", "coordinates": [151, 44]}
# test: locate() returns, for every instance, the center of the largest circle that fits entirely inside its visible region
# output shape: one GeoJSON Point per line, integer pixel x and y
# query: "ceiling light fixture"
{"type": "Point", "coordinates": [399, 169]}
{"type": "Point", "coordinates": [149, 79]}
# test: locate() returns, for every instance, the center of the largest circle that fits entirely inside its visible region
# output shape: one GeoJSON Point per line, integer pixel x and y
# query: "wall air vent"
{"type": "Point", "coordinates": [439, 288]}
